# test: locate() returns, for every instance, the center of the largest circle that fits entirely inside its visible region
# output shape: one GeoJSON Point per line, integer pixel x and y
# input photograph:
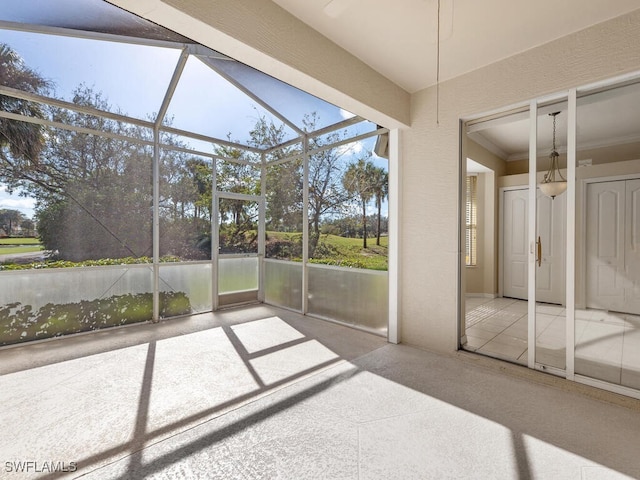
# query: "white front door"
{"type": "Point", "coordinates": [550, 278]}
{"type": "Point", "coordinates": [515, 247]}
{"type": "Point", "coordinates": [550, 221]}
{"type": "Point", "coordinates": [612, 246]}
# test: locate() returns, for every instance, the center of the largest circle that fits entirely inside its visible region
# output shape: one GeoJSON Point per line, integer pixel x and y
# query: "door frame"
{"type": "Point", "coordinates": [569, 96]}
{"type": "Point", "coordinates": [215, 242]}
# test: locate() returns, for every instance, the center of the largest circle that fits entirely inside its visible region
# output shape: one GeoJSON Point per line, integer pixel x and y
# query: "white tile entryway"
{"type": "Point", "coordinates": [607, 344]}
{"type": "Point", "coordinates": [497, 327]}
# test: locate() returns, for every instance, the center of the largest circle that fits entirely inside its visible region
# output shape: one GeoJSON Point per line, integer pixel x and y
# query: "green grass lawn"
{"type": "Point", "coordinates": [19, 245]}
{"type": "Point", "coordinates": [331, 250]}
{"type": "Point", "coordinates": [4, 250]}
{"type": "Point", "coordinates": [347, 252]}
{"type": "Point", "coordinates": [19, 241]}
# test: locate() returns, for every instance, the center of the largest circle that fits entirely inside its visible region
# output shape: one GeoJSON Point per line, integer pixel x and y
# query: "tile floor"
{"type": "Point", "coordinates": [607, 343]}
{"type": "Point", "coordinates": [262, 393]}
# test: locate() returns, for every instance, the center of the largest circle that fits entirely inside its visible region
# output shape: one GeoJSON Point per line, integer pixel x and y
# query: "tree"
{"type": "Point", "coordinates": [284, 196]}
{"type": "Point", "coordinates": [380, 189]}
{"type": "Point", "coordinates": [93, 192]}
{"type": "Point", "coordinates": [326, 193]}
{"type": "Point", "coordinates": [28, 227]}
{"type": "Point", "coordinates": [239, 173]}
{"type": "Point", "coordinates": [284, 180]}
{"type": "Point", "coordinates": [357, 181]}
{"type": "Point", "coordinates": [11, 220]}
{"type": "Point", "coordinates": [185, 205]}
{"type": "Point", "coordinates": [20, 142]}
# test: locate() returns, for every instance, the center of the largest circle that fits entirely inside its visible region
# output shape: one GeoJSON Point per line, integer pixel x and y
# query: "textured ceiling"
{"type": "Point", "coordinates": [398, 39]}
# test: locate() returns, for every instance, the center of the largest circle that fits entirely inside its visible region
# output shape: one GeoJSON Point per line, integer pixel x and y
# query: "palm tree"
{"type": "Point", "coordinates": [357, 182]}
{"type": "Point", "coordinates": [23, 140]}
{"type": "Point", "coordinates": [380, 190]}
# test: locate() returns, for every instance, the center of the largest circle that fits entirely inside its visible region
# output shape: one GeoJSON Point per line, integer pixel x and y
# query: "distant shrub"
{"type": "Point", "coordinates": [52, 263]}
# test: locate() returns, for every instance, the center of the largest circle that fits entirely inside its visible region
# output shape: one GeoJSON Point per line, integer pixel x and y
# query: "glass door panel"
{"type": "Point", "coordinates": [238, 226]}
{"type": "Point", "coordinates": [495, 263]}
{"type": "Point", "coordinates": [607, 323]}
{"type": "Point", "coordinates": [239, 243]}
{"type": "Point", "coordinates": [550, 236]}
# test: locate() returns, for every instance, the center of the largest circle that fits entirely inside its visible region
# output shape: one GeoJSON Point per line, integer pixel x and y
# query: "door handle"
{"type": "Point", "coordinates": [539, 244]}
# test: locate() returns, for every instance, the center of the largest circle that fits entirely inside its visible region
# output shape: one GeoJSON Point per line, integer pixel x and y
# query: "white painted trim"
{"type": "Point", "coordinates": [558, 372]}
{"type": "Point", "coordinates": [393, 327]}
{"type": "Point", "coordinates": [155, 225]}
{"type": "Point", "coordinates": [612, 387]}
{"type": "Point", "coordinates": [100, 36]}
{"type": "Point", "coordinates": [239, 196]}
{"type": "Point", "coordinates": [262, 228]}
{"type": "Point", "coordinates": [570, 276]}
{"type": "Point", "coordinates": [501, 191]}
{"type": "Point", "coordinates": [612, 178]}
{"type": "Point", "coordinates": [531, 302]}
{"type": "Point", "coordinates": [305, 226]}
{"type": "Point", "coordinates": [583, 241]}
{"type": "Point", "coordinates": [609, 82]}
{"type": "Point", "coordinates": [215, 242]}
{"type": "Point", "coordinates": [480, 295]}
{"type": "Point", "coordinates": [461, 277]}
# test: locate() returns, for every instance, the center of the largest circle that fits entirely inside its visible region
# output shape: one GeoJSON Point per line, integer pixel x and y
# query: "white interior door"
{"type": "Point", "coordinates": [550, 278]}
{"type": "Point", "coordinates": [515, 244]}
{"type": "Point", "coordinates": [632, 246]}
{"type": "Point", "coordinates": [605, 245]}
{"type": "Point", "coordinates": [613, 246]}
{"type": "Point", "coordinates": [550, 285]}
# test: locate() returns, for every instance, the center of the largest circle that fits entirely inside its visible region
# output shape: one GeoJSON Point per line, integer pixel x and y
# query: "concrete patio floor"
{"type": "Point", "coordinates": [261, 392]}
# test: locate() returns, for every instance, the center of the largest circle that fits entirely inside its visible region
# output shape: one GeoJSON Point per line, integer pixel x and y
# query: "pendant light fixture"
{"type": "Point", "coordinates": [554, 183]}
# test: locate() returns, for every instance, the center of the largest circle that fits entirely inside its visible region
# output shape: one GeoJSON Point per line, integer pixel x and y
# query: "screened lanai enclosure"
{"type": "Point", "coordinates": [162, 178]}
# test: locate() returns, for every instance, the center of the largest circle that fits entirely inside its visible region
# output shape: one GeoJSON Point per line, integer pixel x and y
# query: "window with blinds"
{"type": "Point", "coordinates": [471, 215]}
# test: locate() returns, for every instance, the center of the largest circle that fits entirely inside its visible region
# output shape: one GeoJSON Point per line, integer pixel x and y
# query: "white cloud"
{"type": "Point", "coordinates": [15, 202]}
{"type": "Point", "coordinates": [354, 148]}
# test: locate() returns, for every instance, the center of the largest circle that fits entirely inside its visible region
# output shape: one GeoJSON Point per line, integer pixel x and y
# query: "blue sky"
{"type": "Point", "coordinates": [135, 79]}
{"type": "Point", "coordinates": [15, 202]}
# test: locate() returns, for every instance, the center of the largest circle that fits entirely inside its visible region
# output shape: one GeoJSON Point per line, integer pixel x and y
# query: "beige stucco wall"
{"type": "Point", "coordinates": [264, 36]}
{"type": "Point", "coordinates": [483, 279]}
{"type": "Point", "coordinates": [598, 156]}
{"type": "Point", "coordinates": [481, 155]}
